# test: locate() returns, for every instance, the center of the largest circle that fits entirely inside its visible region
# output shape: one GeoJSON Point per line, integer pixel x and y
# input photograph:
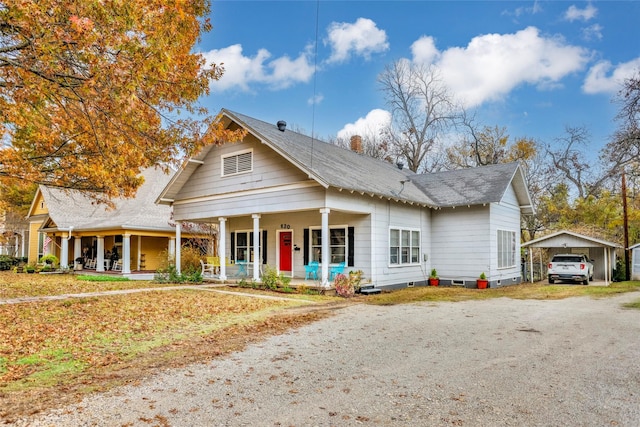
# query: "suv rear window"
{"type": "Point", "coordinates": [566, 258]}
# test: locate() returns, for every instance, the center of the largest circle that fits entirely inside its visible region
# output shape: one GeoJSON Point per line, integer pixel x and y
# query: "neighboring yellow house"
{"type": "Point", "coordinates": [70, 225]}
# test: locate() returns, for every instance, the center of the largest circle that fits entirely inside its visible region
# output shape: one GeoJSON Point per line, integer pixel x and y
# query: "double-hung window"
{"type": "Point", "coordinates": [404, 246]}
{"type": "Point", "coordinates": [337, 245]}
{"type": "Point", "coordinates": [506, 249]}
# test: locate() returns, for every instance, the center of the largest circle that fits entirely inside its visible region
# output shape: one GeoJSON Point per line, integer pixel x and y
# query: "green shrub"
{"type": "Point", "coordinates": [191, 268]}
{"type": "Point", "coordinates": [272, 280]}
{"type": "Point", "coordinates": [49, 259]}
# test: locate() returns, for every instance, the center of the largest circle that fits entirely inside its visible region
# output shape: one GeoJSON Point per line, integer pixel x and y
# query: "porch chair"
{"type": "Point", "coordinates": [311, 270]}
{"type": "Point", "coordinates": [207, 269]}
{"type": "Point", "coordinates": [91, 264]}
{"type": "Point", "coordinates": [336, 269]}
{"type": "Point", "coordinates": [215, 262]}
{"type": "Point", "coordinates": [117, 265]}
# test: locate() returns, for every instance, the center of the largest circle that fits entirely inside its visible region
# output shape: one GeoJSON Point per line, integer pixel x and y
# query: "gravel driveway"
{"type": "Point", "coordinates": [499, 362]}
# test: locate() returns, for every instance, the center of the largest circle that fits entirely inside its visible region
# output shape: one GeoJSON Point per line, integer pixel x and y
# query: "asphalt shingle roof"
{"type": "Point", "coordinates": [346, 169]}
{"type": "Point", "coordinates": [74, 208]}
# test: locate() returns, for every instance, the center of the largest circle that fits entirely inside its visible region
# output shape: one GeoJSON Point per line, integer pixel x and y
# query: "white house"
{"type": "Point", "coordinates": [292, 199]}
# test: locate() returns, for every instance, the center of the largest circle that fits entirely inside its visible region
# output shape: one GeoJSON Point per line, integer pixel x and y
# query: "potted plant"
{"type": "Point", "coordinates": [30, 269]}
{"type": "Point", "coordinates": [482, 281]}
{"type": "Point", "coordinates": [49, 259]}
{"type": "Point", "coordinates": [434, 280]}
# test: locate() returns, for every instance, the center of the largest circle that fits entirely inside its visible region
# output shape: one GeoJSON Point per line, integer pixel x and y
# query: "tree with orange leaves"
{"type": "Point", "coordinates": [92, 92]}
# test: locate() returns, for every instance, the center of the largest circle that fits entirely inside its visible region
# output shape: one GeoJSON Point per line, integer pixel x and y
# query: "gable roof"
{"type": "Point", "coordinates": [73, 208]}
{"type": "Point", "coordinates": [346, 170]}
{"type": "Point", "coordinates": [565, 238]}
{"type": "Point", "coordinates": [475, 186]}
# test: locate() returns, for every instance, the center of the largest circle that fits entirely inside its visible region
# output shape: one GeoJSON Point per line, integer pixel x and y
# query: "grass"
{"type": "Point", "coordinates": [53, 351]}
{"type": "Point", "coordinates": [16, 285]}
{"type": "Point", "coordinates": [523, 291]}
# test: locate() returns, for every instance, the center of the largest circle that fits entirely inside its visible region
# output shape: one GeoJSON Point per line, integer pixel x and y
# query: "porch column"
{"type": "Point", "coordinates": [77, 249]}
{"type": "Point", "coordinates": [256, 247]}
{"type": "Point", "coordinates": [126, 253]}
{"type": "Point", "coordinates": [325, 247]}
{"type": "Point", "coordinates": [172, 247]}
{"type": "Point", "coordinates": [64, 250]}
{"type": "Point", "coordinates": [100, 254]}
{"type": "Point", "coordinates": [138, 264]}
{"type": "Point", "coordinates": [222, 247]}
{"type": "Point", "coordinates": [23, 247]}
{"type": "Point", "coordinates": [178, 245]}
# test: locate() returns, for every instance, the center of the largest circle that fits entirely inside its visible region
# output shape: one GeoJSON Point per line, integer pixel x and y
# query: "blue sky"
{"type": "Point", "coordinates": [533, 67]}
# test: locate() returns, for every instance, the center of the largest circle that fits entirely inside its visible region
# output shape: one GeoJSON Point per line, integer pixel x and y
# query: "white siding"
{"type": "Point", "coordinates": [269, 169]}
{"type": "Point", "coordinates": [505, 216]}
{"type": "Point", "coordinates": [461, 241]}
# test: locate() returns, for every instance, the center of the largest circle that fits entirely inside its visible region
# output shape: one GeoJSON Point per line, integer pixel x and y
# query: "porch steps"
{"type": "Point", "coordinates": [369, 290]}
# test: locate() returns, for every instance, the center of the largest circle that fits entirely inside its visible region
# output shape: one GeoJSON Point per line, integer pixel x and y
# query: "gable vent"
{"type": "Point", "coordinates": [237, 163]}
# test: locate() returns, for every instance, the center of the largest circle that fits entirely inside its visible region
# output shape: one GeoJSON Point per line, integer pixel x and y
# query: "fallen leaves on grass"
{"type": "Point", "coordinates": [117, 339]}
{"type": "Point", "coordinates": [13, 285]}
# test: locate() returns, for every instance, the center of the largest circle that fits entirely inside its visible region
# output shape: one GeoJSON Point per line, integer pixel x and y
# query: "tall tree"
{"type": "Point", "coordinates": [624, 148]}
{"type": "Point", "coordinates": [422, 110]}
{"type": "Point", "coordinates": [571, 159]}
{"type": "Point", "coordinates": [92, 92]}
{"type": "Point", "coordinates": [489, 145]}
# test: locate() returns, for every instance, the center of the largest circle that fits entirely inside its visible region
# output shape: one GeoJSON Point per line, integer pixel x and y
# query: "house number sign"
{"type": "Point", "coordinates": [285, 226]}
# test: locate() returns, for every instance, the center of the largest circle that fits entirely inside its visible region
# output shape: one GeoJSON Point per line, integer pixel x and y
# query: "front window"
{"type": "Point", "coordinates": [337, 245]}
{"type": "Point", "coordinates": [506, 249]}
{"type": "Point", "coordinates": [244, 246]}
{"type": "Point", "coordinates": [404, 246]}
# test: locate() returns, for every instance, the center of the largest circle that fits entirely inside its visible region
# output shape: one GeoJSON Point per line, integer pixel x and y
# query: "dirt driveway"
{"type": "Point", "coordinates": [498, 362]}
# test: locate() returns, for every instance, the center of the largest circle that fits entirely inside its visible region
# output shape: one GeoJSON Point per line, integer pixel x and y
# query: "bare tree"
{"type": "Point", "coordinates": [571, 161]}
{"type": "Point", "coordinates": [624, 148]}
{"type": "Point", "coordinates": [422, 111]}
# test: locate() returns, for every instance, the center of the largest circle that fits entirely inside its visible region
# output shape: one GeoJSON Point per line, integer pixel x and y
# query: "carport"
{"type": "Point", "coordinates": [601, 252]}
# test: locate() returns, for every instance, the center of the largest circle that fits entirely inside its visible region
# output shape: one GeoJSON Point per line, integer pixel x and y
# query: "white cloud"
{"type": "Point", "coordinates": [362, 38]}
{"type": "Point", "coordinates": [492, 65]}
{"type": "Point", "coordinates": [576, 14]}
{"type": "Point", "coordinates": [316, 99]}
{"type": "Point", "coordinates": [367, 127]}
{"type": "Point", "coordinates": [243, 71]}
{"type": "Point", "coordinates": [424, 50]}
{"type": "Point", "coordinates": [592, 32]}
{"type": "Point", "coordinates": [601, 79]}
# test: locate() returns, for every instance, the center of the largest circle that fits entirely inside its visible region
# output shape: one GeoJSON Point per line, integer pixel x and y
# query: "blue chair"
{"type": "Point", "coordinates": [336, 269]}
{"type": "Point", "coordinates": [311, 270]}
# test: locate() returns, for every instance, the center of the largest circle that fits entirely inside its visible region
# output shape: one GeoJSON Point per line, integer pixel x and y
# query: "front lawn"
{"type": "Point", "coordinates": [17, 285]}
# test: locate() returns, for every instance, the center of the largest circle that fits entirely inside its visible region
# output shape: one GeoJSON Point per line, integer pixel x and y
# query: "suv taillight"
{"type": "Point", "coordinates": [582, 266]}
{"type": "Point", "coordinates": [550, 265]}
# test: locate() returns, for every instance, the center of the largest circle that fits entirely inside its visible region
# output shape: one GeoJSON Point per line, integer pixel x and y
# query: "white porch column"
{"type": "Point", "coordinates": [138, 265]}
{"type": "Point", "coordinates": [257, 259]}
{"type": "Point", "coordinates": [325, 247]}
{"type": "Point", "coordinates": [64, 250]}
{"type": "Point", "coordinates": [77, 249]}
{"type": "Point", "coordinates": [172, 247]}
{"type": "Point", "coordinates": [222, 247]}
{"type": "Point", "coordinates": [23, 247]}
{"type": "Point", "coordinates": [126, 253]}
{"type": "Point", "coordinates": [100, 254]}
{"type": "Point", "coordinates": [178, 245]}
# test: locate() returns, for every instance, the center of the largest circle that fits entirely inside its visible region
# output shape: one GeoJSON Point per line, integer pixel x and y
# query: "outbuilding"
{"type": "Point", "coordinates": [601, 252]}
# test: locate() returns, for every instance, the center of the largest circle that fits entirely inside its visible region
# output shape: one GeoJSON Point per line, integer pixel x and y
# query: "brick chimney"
{"type": "Point", "coordinates": [356, 144]}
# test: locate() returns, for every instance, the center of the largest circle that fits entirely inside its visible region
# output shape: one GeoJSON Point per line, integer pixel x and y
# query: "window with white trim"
{"type": "Point", "coordinates": [240, 162]}
{"type": "Point", "coordinates": [404, 246]}
{"type": "Point", "coordinates": [337, 245]}
{"type": "Point", "coordinates": [506, 249]}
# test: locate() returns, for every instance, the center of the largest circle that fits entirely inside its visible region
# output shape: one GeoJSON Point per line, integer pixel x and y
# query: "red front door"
{"type": "Point", "coordinates": [285, 251]}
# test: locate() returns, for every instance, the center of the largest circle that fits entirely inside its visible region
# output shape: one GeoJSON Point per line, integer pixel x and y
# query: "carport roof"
{"type": "Point", "coordinates": [569, 239]}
